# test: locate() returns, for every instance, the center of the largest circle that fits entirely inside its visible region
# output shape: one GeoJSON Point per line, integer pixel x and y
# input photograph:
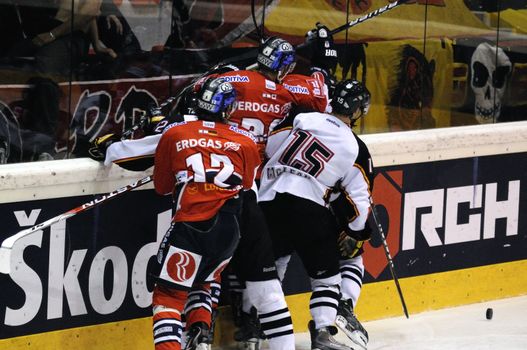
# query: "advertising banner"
{"type": "Point", "coordinates": [444, 216]}
{"type": "Point", "coordinates": [92, 268]}
{"type": "Point", "coordinates": [89, 269]}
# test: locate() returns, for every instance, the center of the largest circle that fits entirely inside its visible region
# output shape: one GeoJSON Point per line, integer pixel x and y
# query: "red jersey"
{"type": "Point", "coordinates": [260, 103]}
{"type": "Point", "coordinates": [204, 164]}
{"type": "Point", "coordinates": [311, 92]}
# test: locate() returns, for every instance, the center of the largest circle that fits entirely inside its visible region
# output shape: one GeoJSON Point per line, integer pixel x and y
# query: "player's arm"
{"type": "Point", "coordinates": [350, 241]}
{"type": "Point", "coordinates": [152, 123]}
{"type": "Point", "coordinates": [279, 135]}
{"type": "Point", "coordinates": [355, 188]}
{"type": "Point", "coordinates": [351, 210]}
{"type": "Point", "coordinates": [251, 164]}
{"type": "Point", "coordinates": [365, 162]}
{"type": "Point", "coordinates": [164, 180]}
{"type": "Point", "coordinates": [134, 155]}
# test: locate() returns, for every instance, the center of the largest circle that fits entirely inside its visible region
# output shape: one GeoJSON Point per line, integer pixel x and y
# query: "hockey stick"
{"type": "Point", "coordinates": [350, 24]}
{"type": "Point", "coordinates": [388, 256]}
{"type": "Point", "coordinates": [8, 243]}
{"type": "Point", "coordinates": [368, 16]}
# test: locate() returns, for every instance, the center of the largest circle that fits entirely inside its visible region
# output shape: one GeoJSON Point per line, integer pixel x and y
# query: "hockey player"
{"type": "Point", "coordinates": [323, 59]}
{"type": "Point", "coordinates": [312, 155]}
{"type": "Point", "coordinates": [203, 164]}
{"type": "Point", "coordinates": [355, 99]}
{"type": "Point", "coordinates": [262, 103]}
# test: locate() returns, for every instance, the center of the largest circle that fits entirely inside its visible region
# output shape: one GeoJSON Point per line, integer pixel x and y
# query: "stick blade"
{"type": "Point", "coordinates": [7, 248]}
{"type": "Point", "coordinates": [5, 260]}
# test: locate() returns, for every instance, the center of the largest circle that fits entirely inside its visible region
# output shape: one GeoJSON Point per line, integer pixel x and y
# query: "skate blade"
{"type": "Point", "coordinates": [359, 339]}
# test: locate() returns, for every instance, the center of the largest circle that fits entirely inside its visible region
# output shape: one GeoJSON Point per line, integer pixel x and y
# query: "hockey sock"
{"type": "Point", "coordinates": [167, 308]}
{"type": "Point", "coordinates": [324, 300]}
{"type": "Point", "coordinates": [273, 313]}
{"type": "Point", "coordinates": [352, 272]}
{"type": "Point", "coordinates": [199, 305]}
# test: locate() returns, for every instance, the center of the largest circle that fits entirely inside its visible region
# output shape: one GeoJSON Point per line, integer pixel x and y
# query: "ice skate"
{"type": "Point", "coordinates": [350, 325]}
{"type": "Point", "coordinates": [249, 336]}
{"type": "Point", "coordinates": [322, 339]}
{"type": "Point", "coordinates": [198, 337]}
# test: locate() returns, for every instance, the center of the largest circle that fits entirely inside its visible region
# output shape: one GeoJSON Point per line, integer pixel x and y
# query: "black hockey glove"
{"type": "Point", "coordinates": [100, 145]}
{"type": "Point", "coordinates": [350, 242]}
{"type": "Point", "coordinates": [349, 247]}
{"type": "Point", "coordinates": [323, 53]}
{"type": "Point", "coordinates": [320, 32]}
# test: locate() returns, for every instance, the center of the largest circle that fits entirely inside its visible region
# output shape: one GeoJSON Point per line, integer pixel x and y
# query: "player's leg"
{"type": "Point", "coordinates": [254, 263]}
{"type": "Point", "coordinates": [189, 258]}
{"type": "Point", "coordinates": [312, 234]}
{"type": "Point", "coordinates": [202, 305]}
{"type": "Point", "coordinates": [352, 272]}
{"type": "Point", "coordinates": [167, 306]}
{"type": "Point", "coordinates": [198, 313]}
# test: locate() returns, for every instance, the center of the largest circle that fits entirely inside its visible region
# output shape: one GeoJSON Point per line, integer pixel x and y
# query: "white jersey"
{"type": "Point", "coordinates": [138, 154]}
{"type": "Point", "coordinates": [127, 150]}
{"type": "Point", "coordinates": [312, 156]}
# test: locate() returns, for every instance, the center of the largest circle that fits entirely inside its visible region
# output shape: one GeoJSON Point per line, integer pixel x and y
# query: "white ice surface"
{"type": "Point", "coordinates": [457, 328]}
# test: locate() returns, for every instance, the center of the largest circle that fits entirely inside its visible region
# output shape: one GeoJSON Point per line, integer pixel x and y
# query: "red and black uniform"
{"type": "Point", "coordinates": [310, 91]}
{"type": "Point", "coordinates": [261, 104]}
{"type": "Point", "coordinates": [204, 165]}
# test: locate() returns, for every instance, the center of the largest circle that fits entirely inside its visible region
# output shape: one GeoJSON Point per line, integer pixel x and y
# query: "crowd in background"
{"type": "Point", "coordinates": [55, 48]}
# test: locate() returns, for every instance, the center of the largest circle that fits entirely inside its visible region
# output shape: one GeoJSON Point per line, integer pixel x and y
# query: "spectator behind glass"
{"type": "Point", "coordinates": [28, 128]}
{"type": "Point", "coordinates": [45, 27]}
{"type": "Point", "coordinates": [115, 32]}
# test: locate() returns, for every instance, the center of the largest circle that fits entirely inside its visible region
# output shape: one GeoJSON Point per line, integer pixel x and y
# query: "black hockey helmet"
{"type": "Point", "coordinates": [215, 99]}
{"type": "Point", "coordinates": [276, 55]}
{"type": "Point", "coordinates": [350, 96]}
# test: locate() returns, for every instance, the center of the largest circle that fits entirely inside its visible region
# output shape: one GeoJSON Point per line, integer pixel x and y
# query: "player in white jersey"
{"type": "Point", "coordinates": [356, 101]}
{"type": "Point", "coordinates": [312, 156]}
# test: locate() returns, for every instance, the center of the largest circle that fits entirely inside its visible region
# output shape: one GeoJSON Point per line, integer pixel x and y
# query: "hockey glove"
{"type": "Point", "coordinates": [323, 53]}
{"type": "Point", "coordinates": [100, 145]}
{"type": "Point", "coordinates": [349, 247]}
{"type": "Point", "coordinates": [320, 32]}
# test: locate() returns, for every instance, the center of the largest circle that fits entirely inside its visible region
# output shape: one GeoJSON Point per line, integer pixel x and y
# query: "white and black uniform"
{"type": "Point", "coordinates": [352, 269]}
{"type": "Point", "coordinates": [311, 156]}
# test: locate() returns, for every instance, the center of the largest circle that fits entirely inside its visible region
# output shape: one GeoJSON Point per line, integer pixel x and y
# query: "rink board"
{"type": "Point", "coordinates": [379, 300]}
{"type": "Point", "coordinates": [82, 282]}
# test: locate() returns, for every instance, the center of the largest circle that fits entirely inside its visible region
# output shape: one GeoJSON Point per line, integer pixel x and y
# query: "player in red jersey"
{"type": "Point", "coordinates": [203, 164]}
{"type": "Point", "coordinates": [262, 100]}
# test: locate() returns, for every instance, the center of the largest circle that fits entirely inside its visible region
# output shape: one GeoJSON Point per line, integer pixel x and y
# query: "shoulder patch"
{"type": "Point", "coordinates": [170, 126]}
{"type": "Point", "coordinates": [270, 85]}
{"type": "Point", "coordinates": [237, 78]}
{"type": "Point", "coordinates": [243, 132]}
{"type": "Point", "coordinates": [297, 89]}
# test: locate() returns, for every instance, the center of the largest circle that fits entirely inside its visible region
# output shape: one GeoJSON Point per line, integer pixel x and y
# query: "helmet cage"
{"type": "Point", "coordinates": [277, 55]}
{"type": "Point", "coordinates": [217, 96]}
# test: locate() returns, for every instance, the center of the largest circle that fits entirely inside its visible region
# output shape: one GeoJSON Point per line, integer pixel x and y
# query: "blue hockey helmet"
{"type": "Point", "coordinates": [216, 98]}
{"type": "Point", "coordinates": [276, 55]}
